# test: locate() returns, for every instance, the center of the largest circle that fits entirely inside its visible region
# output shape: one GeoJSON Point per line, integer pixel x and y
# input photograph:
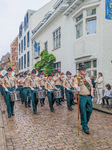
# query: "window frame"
{"type": "Point", "coordinates": [45, 45]}
{"type": "Point", "coordinates": [57, 37]}
{"type": "Point", "coordinates": [28, 39]}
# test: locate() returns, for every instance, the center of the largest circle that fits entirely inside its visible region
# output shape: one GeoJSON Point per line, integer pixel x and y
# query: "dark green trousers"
{"type": "Point", "coordinates": [58, 100]}
{"type": "Point", "coordinates": [51, 100]}
{"type": "Point", "coordinates": [0, 88]}
{"type": "Point", "coordinates": [43, 99]}
{"type": "Point", "coordinates": [62, 91]}
{"type": "Point", "coordinates": [21, 93]}
{"type": "Point", "coordinates": [34, 101]}
{"type": "Point", "coordinates": [9, 103]}
{"type": "Point", "coordinates": [27, 93]}
{"type": "Point", "coordinates": [69, 96]}
{"type": "Point", "coordinates": [86, 108]}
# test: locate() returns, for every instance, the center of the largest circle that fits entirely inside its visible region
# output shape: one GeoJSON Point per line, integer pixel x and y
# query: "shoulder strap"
{"type": "Point", "coordinates": [9, 81]}
{"type": "Point", "coordinates": [34, 82]}
{"type": "Point", "coordinates": [50, 84]}
{"type": "Point", "coordinates": [86, 83]}
{"type": "Point", "coordinates": [69, 83]}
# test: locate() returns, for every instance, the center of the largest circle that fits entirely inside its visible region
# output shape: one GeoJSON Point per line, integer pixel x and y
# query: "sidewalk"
{"type": "Point", "coordinates": [2, 134]}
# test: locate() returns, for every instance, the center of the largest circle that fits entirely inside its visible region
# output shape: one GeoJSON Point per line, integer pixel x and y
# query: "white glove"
{"type": "Point", "coordinates": [40, 88]}
{"type": "Point", "coordinates": [49, 90]}
{"type": "Point", "coordinates": [58, 89]}
{"type": "Point", "coordinates": [92, 99]}
{"type": "Point", "coordinates": [68, 88]}
{"type": "Point", "coordinates": [32, 89]}
{"type": "Point", "coordinates": [26, 77]}
{"type": "Point", "coordinates": [71, 77]}
{"type": "Point", "coordinates": [78, 88]}
{"type": "Point", "coordinates": [16, 87]}
{"type": "Point", "coordinates": [58, 76]}
{"type": "Point", "coordinates": [6, 89]}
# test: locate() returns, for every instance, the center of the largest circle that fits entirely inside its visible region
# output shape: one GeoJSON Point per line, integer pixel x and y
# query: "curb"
{"type": "Point", "coordinates": [2, 133]}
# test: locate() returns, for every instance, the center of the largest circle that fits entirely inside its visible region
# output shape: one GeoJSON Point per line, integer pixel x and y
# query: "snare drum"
{"type": "Point", "coordinates": [40, 94]}
{"type": "Point", "coordinates": [14, 96]}
{"type": "Point", "coordinates": [57, 94]}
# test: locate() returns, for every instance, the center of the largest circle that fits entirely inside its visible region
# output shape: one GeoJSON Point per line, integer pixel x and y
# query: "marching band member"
{"type": "Point", "coordinates": [9, 84]}
{"type": "Point", "coordinates": [34, 85]}
{"type": "Point", "coordinates": [42, 80]}
{"type": "Point", "coordinates": [57, 80]}
{"type": "Point", "coordinates": [68, 85]}
{"type": "Point", "coordinates": [20, 88]}
{"type": "Point", "coordinates": [62, 88]}
{"type": "Point", "coordinates": [27, 90]}
{"type": "Point", "coordinates": [86, 94]}
{"type": "Point", "coordinates": [50, 86]}
{"type": "Point", "coordinates": [0, 83]}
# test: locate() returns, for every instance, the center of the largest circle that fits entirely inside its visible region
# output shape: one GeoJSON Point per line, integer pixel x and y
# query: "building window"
{"type": "Point", "coordinates": [16, 58]}
{"type": "Point", "coordinates": [19, 48]}
{"type": "Point", "coordinates": [91, 12]}
{"type": "Point", "coordinates": [19, 64]}
{"type": "Point", "coordinates": [91, 26]}
{"type": "Point", "coordinates": [57, 66]}
{"type": "Point", "coordinates": [26, 21]}
{"type": "Point", "coordinates": [24, 42]}
{"type": "Point", "coordinates": [28, 39]}
{"type": "Point", "coordinates": [79, 26]}
{"type": "Point", "coordinates": [24, 60]}
{"type": "Point", "coordinates": [22, 46]}
{"type": "Point", "coordinates": [28, 59]}
{"type": "Point", "coordinates": [91, 21]}
{"type": "Point", "coordinates": [91, 67]}
{"type": "Point", "coordinates": [87, 64]}
{"type": "Point", "coordinates": [46, 45]}
{"type": "Point", "coordinates": [57, 38]}
{"type": "Point", "coordinates": [95, 63]}
{"type": "Point", "coordinates": [20, 31]}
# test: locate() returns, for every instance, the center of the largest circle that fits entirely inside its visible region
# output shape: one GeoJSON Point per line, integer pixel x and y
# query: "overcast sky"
{"type": "Point", "coordinates": [11, 14]}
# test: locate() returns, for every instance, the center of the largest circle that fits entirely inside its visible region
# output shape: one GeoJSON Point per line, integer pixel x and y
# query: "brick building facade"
{"type": "Point", "coordinates": [14, 50]}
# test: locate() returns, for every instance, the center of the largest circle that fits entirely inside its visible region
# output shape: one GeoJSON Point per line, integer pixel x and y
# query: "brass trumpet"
{"type": "Point", "coordinates": [62, 74]}
{"type": "Point", "coordinates": [45, 76]}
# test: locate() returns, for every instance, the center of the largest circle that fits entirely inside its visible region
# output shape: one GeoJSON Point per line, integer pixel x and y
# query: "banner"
{"type": "Point", "coordinates": [108, 9]}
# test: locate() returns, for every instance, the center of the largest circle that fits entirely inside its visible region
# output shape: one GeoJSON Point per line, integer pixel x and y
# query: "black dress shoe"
{"type": "Point", "coordinates": [103, 105]}
{"type": "Point", "coordinates": [42, 105]}
{"type": "Point", "coordinates": [60, 104]}
{"type": "Point", "coordinates": [73, 103]}
{"type": "Point", "coordinates": [52, 110]}
{"type": "Point", "coordinates": [107, 106]}
{"type": "Point", "coordinates": [29, 106]}
{"type": "Point", "coordinates": [9, 115]}
{"type": "Point", "coordinates": [35, 112]}
{"type": "Point", "coordinates": [22, 102]}
{"type": "Point", "coordinates": [13, 114]}
{"type": "Point", "coordinates": [62, 100]}
{"type": "Point", "coordinates": [70, 108]}
{"type": "Point", "coordinates": [26, 106]}
{"type": "Point", "coordinates": [86, 131]}
{"type": "Point", "coordinates": [57, 104]}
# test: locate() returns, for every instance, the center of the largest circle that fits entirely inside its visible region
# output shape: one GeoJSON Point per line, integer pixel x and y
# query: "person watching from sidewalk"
{"type": "Point", "coordinates": [99, 87]}
{"type": "Point", "coordinates": [107, 95]}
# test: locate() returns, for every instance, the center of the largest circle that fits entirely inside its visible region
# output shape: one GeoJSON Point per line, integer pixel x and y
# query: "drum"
{"type": "Point", "coordinates": [40, 94]}
{"type": "Point", "coordinates": [57, 94]}
{"type": "Point", "coordinates": [14, 96]}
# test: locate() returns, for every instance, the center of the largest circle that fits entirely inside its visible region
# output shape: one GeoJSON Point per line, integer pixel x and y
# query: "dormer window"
{"type": "Point", "coordinates": [20, 31]}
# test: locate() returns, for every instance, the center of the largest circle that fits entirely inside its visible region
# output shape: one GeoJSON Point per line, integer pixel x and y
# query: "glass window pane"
{"type": "Point", "coordinates": [87, 64]}
{"type": "Point", "coordinates": [91, 12]}
{"type": "Point", "coordinates": [91, 26]}
{"type": "Point", "coordinates": [88, 73]}
{"type": "Point", "coordinates": [79, 30]}
{"type": "Point", "coordinates": [95, 73]}
{"type": "Point", "coordinates": [80, 64]}
{"type": "Point", "coordinates": [79, 18]}
{"type": "Point", "coordinates": [95, 63]}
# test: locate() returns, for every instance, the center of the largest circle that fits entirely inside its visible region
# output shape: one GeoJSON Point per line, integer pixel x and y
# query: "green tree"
{"type": "Point", "coordinates": [46, 62]}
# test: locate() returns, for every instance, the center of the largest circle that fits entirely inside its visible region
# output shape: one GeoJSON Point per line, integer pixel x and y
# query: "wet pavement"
{"type": "Point", "coordinates": [55, 131]}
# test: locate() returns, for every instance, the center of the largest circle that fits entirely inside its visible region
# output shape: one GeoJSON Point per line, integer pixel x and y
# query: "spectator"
{"type": "Point", "coordinates": [99, 87]}
{"type": "Point", "coordinates": [107, 95]}
{"type": "Point", "coordinates": [92, 80]}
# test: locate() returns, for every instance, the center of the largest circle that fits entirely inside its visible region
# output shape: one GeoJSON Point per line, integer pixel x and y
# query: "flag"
{"type": "Point", "coordinates": [35, 46]}
{"type": "Point", "coordinates": [38, 47]}
{"type": "Point", "coordinates": [108, 9]}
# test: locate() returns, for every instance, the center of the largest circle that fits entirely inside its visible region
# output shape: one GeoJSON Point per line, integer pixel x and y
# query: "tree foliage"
{"type": "Point", "coordinates": [46, 62]}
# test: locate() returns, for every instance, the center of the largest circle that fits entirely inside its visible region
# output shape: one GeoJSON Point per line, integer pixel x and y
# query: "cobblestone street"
{"type": "Point", "coordinates": [55, 131]}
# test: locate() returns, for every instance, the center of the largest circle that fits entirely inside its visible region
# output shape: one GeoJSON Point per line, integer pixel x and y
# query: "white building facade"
{"type": "Point", "coordinates": [77, 33]}
{"type": "Point", "coordinates": [31, 19]}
